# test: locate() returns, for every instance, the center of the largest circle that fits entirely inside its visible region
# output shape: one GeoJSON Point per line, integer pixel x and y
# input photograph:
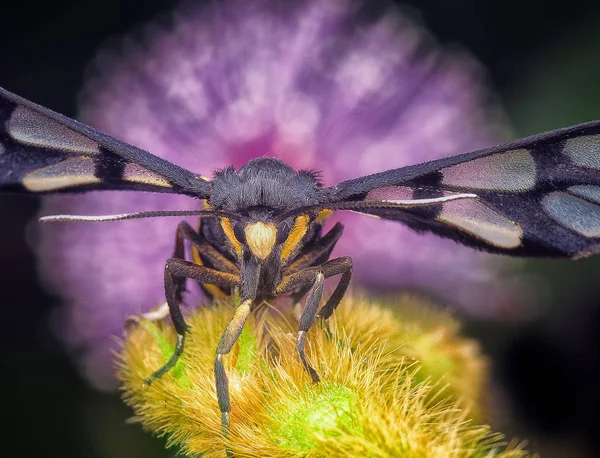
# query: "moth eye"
{"type": "Point", "coordinates": [238, 231]}
{"type": "Point", "coordinates": [283, 232]}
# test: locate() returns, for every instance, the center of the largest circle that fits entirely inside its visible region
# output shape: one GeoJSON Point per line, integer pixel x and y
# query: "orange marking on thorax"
{"type": "Point", "coordinates": [228, 230]}
{"type": "Point", "coordinates": [298, 231]}
{"type": "Point", "coordinates": [322, 215]}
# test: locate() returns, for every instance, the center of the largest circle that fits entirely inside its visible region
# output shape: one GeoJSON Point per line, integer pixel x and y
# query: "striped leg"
{"type": "Point", "coordinates": [315, 276]}
{"type": "Point", "coordinates": [175, 270]}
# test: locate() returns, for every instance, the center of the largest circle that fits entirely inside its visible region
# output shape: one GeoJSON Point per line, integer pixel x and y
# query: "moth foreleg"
{"type": "Point", "coordinates": [317, 253]}
{"type": "Point", "coordinates": [306, 320]}
{"type": "Point", "coordinates": [228, 339]}
{"type": "Point", "coordinates": [175, 270]}
{"type": "Point", "coordinates": [201, 245]}
{"type": "Point", "coordinates": [341, 265]}
{"type": "Point", "coordinates": [217, 260]}
{"type": "Point", "coordinates": [316, 276]}
{"type": "Point", "coordinates": [248, 284]}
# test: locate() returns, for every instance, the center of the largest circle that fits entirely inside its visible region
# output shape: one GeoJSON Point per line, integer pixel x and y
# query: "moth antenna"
{"type": "Point", "coordinates": [395, 203]}
{"type": "Point", "coordinates": [124, 216]}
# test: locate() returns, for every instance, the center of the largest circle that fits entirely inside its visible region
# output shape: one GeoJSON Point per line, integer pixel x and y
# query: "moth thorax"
{"type": "Point", "coordinates": [260, 237]}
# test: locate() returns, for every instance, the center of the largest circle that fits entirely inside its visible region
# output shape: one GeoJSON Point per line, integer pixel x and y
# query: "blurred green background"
{"type": "Point", "coordinates": [544, 63]}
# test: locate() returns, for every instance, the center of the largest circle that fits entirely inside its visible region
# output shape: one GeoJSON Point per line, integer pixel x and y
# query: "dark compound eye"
{"type": "Point", "coordinates": [283, 231]}
{"type": "Point", "coordinates": [238, 231]}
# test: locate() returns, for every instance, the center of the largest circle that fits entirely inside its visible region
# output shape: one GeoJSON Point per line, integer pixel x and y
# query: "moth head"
{"type": "Point", "coordinates": [266, 237]}
{"type": "Point", "coordinates": [258, 236]}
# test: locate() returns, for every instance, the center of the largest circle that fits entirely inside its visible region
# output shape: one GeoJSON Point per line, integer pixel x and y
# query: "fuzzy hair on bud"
{"type": "Point", "coordinates": [391, 385]}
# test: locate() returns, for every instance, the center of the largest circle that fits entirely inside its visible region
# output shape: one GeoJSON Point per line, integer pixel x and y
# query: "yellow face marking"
{"type": "Point", "coordinates": [237, 246]}
{"type": "Point", "coordinates": [296, 234]}
{"type": "Point", "coordinates": [260, 237]}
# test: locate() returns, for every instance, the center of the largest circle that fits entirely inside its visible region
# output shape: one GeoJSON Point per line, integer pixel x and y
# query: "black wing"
{"type": "Point", "coordinates": [539, 196]}
{"type": "Point", "coordinates": [45, 152]}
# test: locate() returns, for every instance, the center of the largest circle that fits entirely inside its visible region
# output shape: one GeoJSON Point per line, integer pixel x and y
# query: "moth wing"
{"type": "Point", "coordinates": [539, 196]}
{"type": "Point", "coordinates": [42, 151]}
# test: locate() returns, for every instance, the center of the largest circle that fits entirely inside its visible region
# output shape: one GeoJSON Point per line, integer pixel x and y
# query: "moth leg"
{"type": "Point", "coordinates": [218, 261]}
{"type": "Point", "coordinates": [316, 276]}
{"type": "Point", "coordinates": [203, 253]}
{"type": "Point", "coordinates": [228, 339]}
{"type": "Point", "coordinates": [306, 320]}
{"type": "Point", "coordinates": [317, 254]}
{"type": "Point", "coordinates": [248, 284]}
{"type": "Point", "coordinates": [201, 245]}
{"type": "Point", "coordinates": [344, 266]}
{"type": "Point", "coordinates": [176, 269]}
{"type": "Point", "coordinates": [157, 314]}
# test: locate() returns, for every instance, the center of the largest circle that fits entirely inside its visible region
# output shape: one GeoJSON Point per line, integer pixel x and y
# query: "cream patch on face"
{"type": "Point", "coordinates": [261, 238]}
{"type": "Point", "coordinates": [513, 171]}
{"type": "Point", "coordinates": [584, 151]}
{"type": "Point", "coordinates": [71, 172]}
{"type": "Point", "coordinates": [573, 213]}
{"type": "Point", "coordinates": [32, 128]}
{"type": "Point", "coordinates": [473, 217]}
{"type": "Point", "coordinates": [137, 174]}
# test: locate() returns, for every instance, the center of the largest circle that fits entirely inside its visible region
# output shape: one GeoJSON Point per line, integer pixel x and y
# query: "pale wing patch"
{"type": "Point", "coordinates": [71, 172]}
{"type": "Point", "coordinates": [584, 151]}
{"type": "Point", "coordinates": [390, 193]}
{"type": "Point", "coordinates": [137, 174]}
{"type": "Point", "coordinates": [473, 217]}
{"type": "Point", "coordinates": [2, 149]}
{"type": "Point", "coordinates": [32, 128]}
{"type": "Point", "coordinates": [589, 192]}
{"type": "Point", "coordinates": [513, 171]}
{"type": "Point", "coordinates": [573, 213]}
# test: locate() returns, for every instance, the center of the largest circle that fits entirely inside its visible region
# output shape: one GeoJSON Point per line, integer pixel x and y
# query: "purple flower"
{"type": "Point", "coordinates": [314, 83]}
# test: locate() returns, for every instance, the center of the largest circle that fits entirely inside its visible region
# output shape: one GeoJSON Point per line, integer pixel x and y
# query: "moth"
{"type": "Point", "coordinates": [261, 228]}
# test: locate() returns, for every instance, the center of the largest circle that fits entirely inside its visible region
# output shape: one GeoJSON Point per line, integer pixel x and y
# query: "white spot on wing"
{"type": "Point", "coordinates": [473, 217]}
{"type": "Point", "coordinates": [71, 172]}
{"type": "Point", "coordinates": [137, 174]}
{"type": "Point", "coordinates": [573, 213]}
{"type": "Point", "coordinates": [513, 171]}
{"type": "Point", "coordinates": [391, 193]}
{"type": "Point", "coordinates": [587, 191]}
{"type": "Point", "coordinates": [32, 128]}
{"type": "Point", "coordinates": [584, 151]}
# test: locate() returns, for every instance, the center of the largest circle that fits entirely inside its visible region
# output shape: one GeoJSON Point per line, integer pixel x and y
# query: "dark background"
{"type": "Point", "coordinates": [544, 62]}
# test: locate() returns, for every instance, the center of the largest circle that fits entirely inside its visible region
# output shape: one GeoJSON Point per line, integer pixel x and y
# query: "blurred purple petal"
{"type": "Point", "coordinates": [315, 83]}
